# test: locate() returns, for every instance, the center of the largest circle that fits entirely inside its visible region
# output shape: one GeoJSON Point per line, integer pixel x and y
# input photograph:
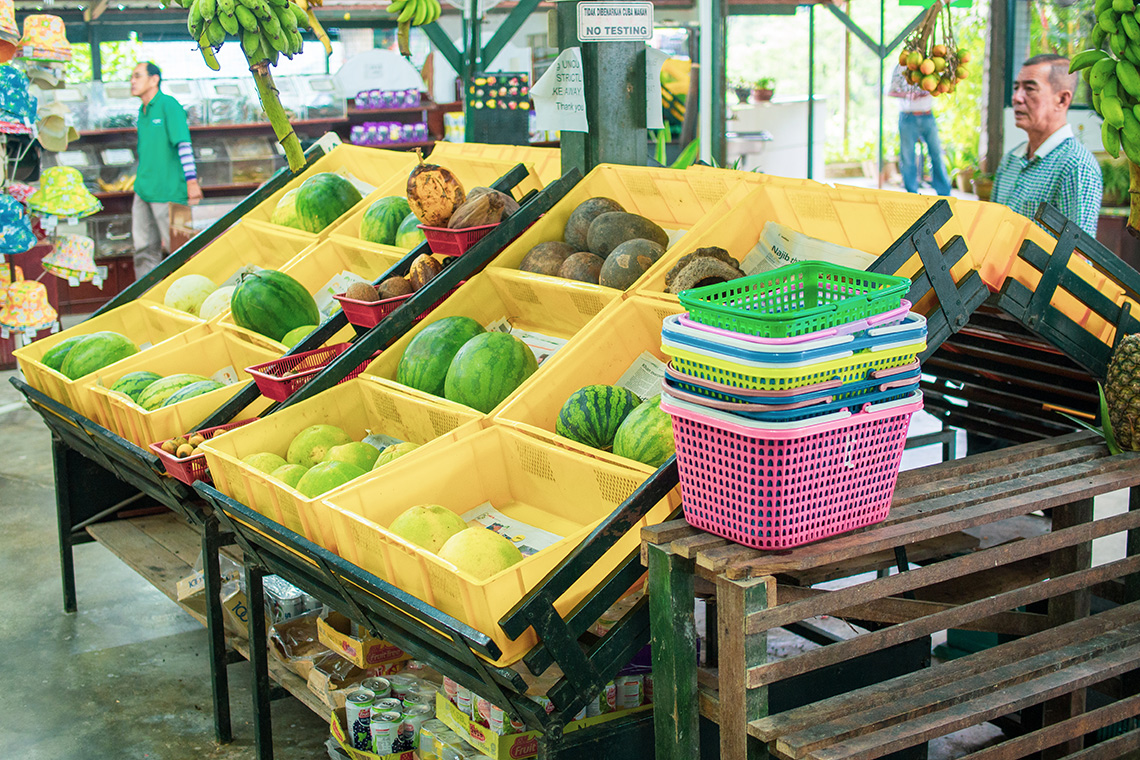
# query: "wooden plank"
{"type": "Point", "coordinates": [676, 717]}
{"type": "Point", "coordinates": [689, 546]}
{"type": "Point", "coordinates": [740, 651]}
{"type": "Point", "coordinates": [174, 534]}
{"type": "Point", "coordinates": [907, 686]}
{"type": "Point", "coordinates": [663, 533]}
{"type": "Point", "coordinates": [918, 552]}
{"type": "Point", "coordinates": [987, 582]}
{"type": "Point", "coordinates": [720, 558]}
{"type": "Point", "coordinates": [1125, 745]}
{"type": "Point", "coordinates": [158, 566]}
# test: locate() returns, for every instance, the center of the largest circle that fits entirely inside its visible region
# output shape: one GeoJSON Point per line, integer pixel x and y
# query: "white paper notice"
{"type": "Point", "coordinates": [654, 60]}
{"type": "Point", "coordinates": [644, 376]}
{"type": "Point", "coordinates": [560, 94]}
{"type": "Point", "coordinates": [528, 538]}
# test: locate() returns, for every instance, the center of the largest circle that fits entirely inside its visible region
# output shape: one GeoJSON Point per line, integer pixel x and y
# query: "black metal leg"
{"type": "Point", "coordinates": [59, 452]}
{"type": "Point", "coordinates": [259, 664]}
{"type": "Point", "coordinates": [219, 678]}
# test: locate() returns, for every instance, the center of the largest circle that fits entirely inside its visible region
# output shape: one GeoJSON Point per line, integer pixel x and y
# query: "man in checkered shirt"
{"type": "Point", "coordinates": [1052, 166]}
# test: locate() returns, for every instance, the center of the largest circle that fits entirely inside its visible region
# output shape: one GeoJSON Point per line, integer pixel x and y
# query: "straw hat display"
{"type": "Point", "coordinates": [45, 39]}
{"type": "Point", "coordinates": [52, 130]}
{"type": "Point", "coordinates": [73, 259]}
{"type": "Point", "coordinates": [62, 193]}
{"type": "Point", "coordinates": [9, 32]}
{"type": "Point", "coordinates": [16, 234]}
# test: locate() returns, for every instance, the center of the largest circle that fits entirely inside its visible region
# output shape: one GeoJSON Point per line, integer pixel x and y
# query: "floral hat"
{"type": "Point", "coordinates": [17, 105]}
{"type": "Point", "coordinates": [9, 32]}
{"type": "Point", "coordinates": [5, 281]}
{"type": "Point", "coordinates": [21, 191]}
{"type": "Point", "coordinates": [26, 309]}
{"type": "Point", "coordinates": [62, 193]}
{"type": "Point", "coordinates": [45, 39]}
{"type": "Point", "coordinates": [16, 235]}
{"type": "Point", "coordinates": [74, 260]}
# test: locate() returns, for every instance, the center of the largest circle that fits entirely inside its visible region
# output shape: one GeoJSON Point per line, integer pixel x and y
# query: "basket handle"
{"type": "Point", "coordinates": [743, 406]}
{"type": "Point", "coordinates": [901, 369]}
{"type": "Point", "coordinates": [672, 373]}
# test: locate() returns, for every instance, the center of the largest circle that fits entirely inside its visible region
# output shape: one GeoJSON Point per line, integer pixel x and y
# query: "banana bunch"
{"type": "Point", "coordinates": [267, 29]}
{"type": "Point", "coordinates": [1113, 75]}
{"type": "Point", "coordinates": [123, 184]}
{"type": "Point", "coordinates": [411, 13]}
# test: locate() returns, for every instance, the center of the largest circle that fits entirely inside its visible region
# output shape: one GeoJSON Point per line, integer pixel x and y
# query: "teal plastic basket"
{"type": "Point", "coordinates": [795, 300]}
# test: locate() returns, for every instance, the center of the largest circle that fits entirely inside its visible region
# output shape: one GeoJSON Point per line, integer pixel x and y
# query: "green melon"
{"type": "Point", "coordinates": [272, 303]}
{"type": "Point", "coordinates": [156, 394]}
{"type": "Point", "coordinates": [134, 383]}
{"type": "Point", "coordinates": [295, 336]}
{"type": "Point", "coordinates": [325, 477]}
{"type": "Point", "coordinates": [409, 234]}
{"type": "Point", "coordinates": [190, 391]}
{"type": "Point", "coordinates": [487, 369]}
{"type": "Point", "coordinates": [322, 199]}
{"type": "Point", "coordinates": [394, 452]}
{"type": "Point", "coordinates": [265, 461]}
{"type": "Point", "coordinates": [593, 414]}
{"type": "Point", "coordinates": [290, 474]}
{"type": "Point", "coordinates": [646, 435]}
{"type": "Point", "coordinates": [381, 222]}
{"type": "Point", "coordinates": [312, 444]}
{"type": "Point", "coordinates": [55, 355]}
{"type": "Point", "coordinates": [286, 212]}
{"type": "Point", "coordinates": [428, 355]}
{"type": "Point", "coordinates": [95, 352]}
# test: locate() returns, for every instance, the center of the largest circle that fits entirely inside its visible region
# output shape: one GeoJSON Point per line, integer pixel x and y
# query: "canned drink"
{"type": "Point", "coordinates": [389, 704]}
{"type": "Point", "coordinates": [517, 726]}
{"type": "Point", "coordinates": [463, 700]}
{"type": "Point", "coordinates": [497, 720]}
{"type": "Point", "coordinates": [608, 698]}
{"type": "Point", "coordinates": [428, 749]}
{"type": "Point", "coordinates": [357, 717]}
{"type": "Point", "coordinates": [401, 684]}
{"type": "Point", "coordinates": [545, 702]}
{"type": "Point", "coordinates": [449, 689]}
{"type": "Point", "coordinates": [378, 686]}
{"type": "Point", "coordinates": [427, 690]}
{"type": "Point", "coordinates": [628, 692]}
{"type": "Point", "coordinates": [585, 711]}
{"type": "Point", "coordinates": [411, 724]}
{"type": "Point", "coordinates": [482, 712]}
{"type": "Point", "coordinates": [384, 730]}
{"type": "Point", "coordinates": [414, 699]}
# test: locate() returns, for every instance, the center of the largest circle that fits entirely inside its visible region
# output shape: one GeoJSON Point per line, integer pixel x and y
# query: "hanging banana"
{"type": "Point", "coordinates": [411, 13]}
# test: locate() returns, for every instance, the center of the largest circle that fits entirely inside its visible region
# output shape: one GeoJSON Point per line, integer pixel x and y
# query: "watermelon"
{"type": "Point", "coordinates": [646, 435]}
{"type": "Point", "coordinates": [95, 352]}
{"type": "Point", "coordinates": [409, 234]}
{"type": "Point", "coordinates": [272, 303]}
{"type": "Point", "coordinates": [428, 355]}
{"type": "Point", "coordinates": [593, 414]}
{"type": "Point", "coordinates": [286, 212]}
{"type": "Point", "coordinates": [487, 369]}
{"type": "Point", "coordinates": [55, 355]}
{"type": "Point", "coordinates": [187, 392]}
{"type": "Point", "coordinates": [155, 394]}
{"type": "Point", "coordinates": [382, 220]}
{"type": "Point", "coordinates": [134, 383]}
{"type": "Point", "coordinates": [322, 199]}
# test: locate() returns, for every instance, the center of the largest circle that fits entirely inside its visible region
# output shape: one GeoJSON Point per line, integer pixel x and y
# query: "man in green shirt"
{"type": "Point", "coordinates": [166, 171]}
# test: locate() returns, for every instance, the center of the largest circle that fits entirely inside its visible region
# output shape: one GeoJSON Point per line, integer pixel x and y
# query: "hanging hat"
{"type": "Point", "coordinates": [62, 193]}
{"type": "Point", "coordinates": [74, 260]}
{"type": "Point", "coordinates": [5, 281]}
{"type": "Point", "coordinates": [16, 235]}
{"type": "Point", "coordinates": [17, 105]}
{"type": "Point", "coordinates": [52, 130]}
{"type": "Point", "coordinates": [21, 191]}
{"type": "Point", "coordinates": [9, 32]}
{"type": "Point", "coordinates": [45, 39]}
{"type": "Point", "coordinates": [26, 309]}
{"type": "Point", "coordinates": [47, 75]}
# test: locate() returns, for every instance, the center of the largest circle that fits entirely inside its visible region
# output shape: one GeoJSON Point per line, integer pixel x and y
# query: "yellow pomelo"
{"type": "Point", "coordinates": [480, 552]}
{"type": "Point", "coordinates": [265, 461]}
{"type": "Point", "coordinates": [427, 525]}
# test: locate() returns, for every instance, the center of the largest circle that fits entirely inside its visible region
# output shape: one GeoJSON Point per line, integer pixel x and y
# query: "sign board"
{"type": "Point", "coordinates": [615, 22]}
{"type": "Point", "coordinates": [560, 95]}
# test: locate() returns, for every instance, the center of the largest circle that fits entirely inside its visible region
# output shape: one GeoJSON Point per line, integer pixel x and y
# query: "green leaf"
{"type": "Point", "coordinates": [662, 141]}
{"type": "Point", "coordinates": [688, 156]}
{"type": "Point", "coordinates": [1109, 437]}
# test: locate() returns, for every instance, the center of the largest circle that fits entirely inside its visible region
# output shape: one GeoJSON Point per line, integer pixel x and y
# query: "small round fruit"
{"type": "Point", "coordinates": [169, 447]}
{"type": "Point", "coordinates": [929, 83]}
{"type": "Point", "coordinates": [196, 440]}
{"type": "Point", "coordinates": [184, 451]}
{"type": "Point", "coordinates": [963, 56]}
{"type": "Point", "coordinates": [395, 286]}
{"type": "Point", "coordinates": [914, 60]}
{"type": "Point", "coordinates": [938, 51]}
{"type": "Point", "coordinates": [903, 57]}
{"type": "Point", "coordinates": [939, 64]}
{"type": "Point", "coordinates": [180, 440]}
{"type": "Point", "coordinates": [962, 72]}
{"type": "Point", "coordinates": [926, 67]}
{"type": "Point", "coordinates": [914, 77]}
{"type": "Point", "coordinates": [943, 87]}
{"type": "Point", "coordinates": [361, 291]}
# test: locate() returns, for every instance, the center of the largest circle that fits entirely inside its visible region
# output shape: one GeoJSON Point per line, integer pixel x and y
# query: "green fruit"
{"type": "Point", "coordinates": [323, 198]}
{"type": "Point", "coordinates": [216, 303]}
{"type": "Point", "coordinates": [285, 213]}
{"type": "Point", "coordinates": [94, 352]}
{"type": "Point", "coordinates": [1097, 36]}
{"type": "Point", "coordinates": [293, 337]}
{"type": "Point", "coordinates": [593, 414]}
{"type": "Point", "coordinates": [427, 525]}
{"type": "Point", "coordinates": [325, 477]}
{"type": "Point", "coordinates": [1130, 27]}
{"type": "Point", "coordinates": [1122, 393]}
{"type": "Point", "coordinates": [1128, 77]}
{"type": "Point", "coordinates": [394, 452]}
{"type": "Point", "coordinates": [1112, 111]}
{"type": "Point", "coordinates": [208, 8]}
{"type": "Point", "coordinates": [289, 474]}
{"type": "Point", "coordinates": [215, 32]}
{"type": "Point", "coordinates": [134, 383]}
{"type": "Point", "coordinates": [271, 26]}
{"type": "Point", "coordinates": [1123, 6]}
{"type": "Point", "coordinates": [55, 355]}
{"type": "Point", "coordinates": [428, 356]}
{"type": "Point", "coordinates": [273, 304]}
{"type": "Point", "coordinates": [247, 20]}
{"type": "Point", "coordinates": [646, 435]}
{"type": "Point", "coordinates": [487, 369]}
{"type": "Point", "coordinates": [1107, 21]}
{"type": "Point", "coordinates": [261, 10]}
{"type": "Point", "coordinates": [265, 461]}
{"type": "Point", "coordinates": [1085, 59]}
{"type": "Point", "coordinates": [288, 21]}
{"type": "Point", "coordinates": [363, 455]}
{"type": "Point", "coordinates": [188, 293]}
{"type": "Point", "coordinates": [382, 219]}
{"type": "Point", "coordinates": [312, 444]}
{"type": "Point", "coordinates": [192, 390]}
{"type": "Point", "coordinates": [229, 22]}
{"type": "Point", "coordinates": [300, 16]}
{"type": "Point", "coordinates": [156, 394]}
{"type": "Point", "coordinates": [409, 234]}
{"type": "Point", "coordinates": [1110, 136]}
{"type": "Point", "coordinates": [479, 552]}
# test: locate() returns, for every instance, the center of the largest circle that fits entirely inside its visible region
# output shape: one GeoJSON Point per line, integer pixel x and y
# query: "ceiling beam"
{"type": "Point", "coordinates": [95, 11]}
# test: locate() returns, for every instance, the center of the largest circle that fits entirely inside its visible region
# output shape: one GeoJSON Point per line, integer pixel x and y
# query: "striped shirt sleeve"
{"type": "Point", "coordinates": [186, 156]}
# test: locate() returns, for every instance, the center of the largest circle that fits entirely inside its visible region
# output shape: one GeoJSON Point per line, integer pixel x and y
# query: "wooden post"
{"type": "Point", "coordinates": [740, 651]}
{"type": "Point", "coordinates": [676, 716]}
{"type": "Point", "coordinates": [993, 77]}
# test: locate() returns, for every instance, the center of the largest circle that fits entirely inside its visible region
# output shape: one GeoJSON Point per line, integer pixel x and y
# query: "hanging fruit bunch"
{"type": "Point", "coordinates": [411, 13]}
{"type": "Point", "coordinates": [931, 56]}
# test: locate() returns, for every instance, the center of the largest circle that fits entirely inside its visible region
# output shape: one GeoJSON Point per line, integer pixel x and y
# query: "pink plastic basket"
{"type": "Point", "coordinates": [775, 486]}
{"type": "Point", "coordinates": [281, 378]}
{"type": "Point", "coordinates": [448, 242]}
{"type": "Point", "coordinates": [189, 469]}
{"type": "Point", "coordinates": [371, 313]}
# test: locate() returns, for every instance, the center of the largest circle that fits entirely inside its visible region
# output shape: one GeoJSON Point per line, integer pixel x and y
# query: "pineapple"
{"type": "Point", "coordinates": [1122, 393]}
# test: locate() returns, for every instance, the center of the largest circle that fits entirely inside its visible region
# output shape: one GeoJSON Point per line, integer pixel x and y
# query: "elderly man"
{"type": "Point", "coordinates": [1051, 166]}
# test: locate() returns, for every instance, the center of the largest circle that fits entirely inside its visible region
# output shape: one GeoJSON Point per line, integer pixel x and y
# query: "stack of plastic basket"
{"type": "Point", "coordinates": [791, 392]}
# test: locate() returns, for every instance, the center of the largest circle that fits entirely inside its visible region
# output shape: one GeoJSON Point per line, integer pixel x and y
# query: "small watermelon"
{"type": "Point", "coordinates": [286, 212]}
{"type": "Point", "coordinates": [646, 435]}
{"type": "Point", "coordinates": [593, 414]}
{"type": "Point", "coordinates": [55, 355]}
{"type": "Point", "coordinates": [382, 220]}
{"type": "Point", "coordinates": [95, 352]}
{"type": "Point", "coordinates": [487, 369]}
{"type": "Point", "coordinates": [409, 234]}
{"type": "Point", "coordinates": [156, 394]}
{"type": "Point", "coordinates": [322, 199]}
{"type": "Point", "coordinates": [272, 303]}
{"type": "Point", "coordinates": [188, 392]}
{"type": "Point", "coordinates": [134, 383]}
{"type": "Point", "coordinates": [428, 356]}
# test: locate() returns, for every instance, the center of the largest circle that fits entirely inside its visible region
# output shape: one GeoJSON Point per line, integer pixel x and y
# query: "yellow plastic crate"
{"type": "Point", "coordinates": [547, 162]}
{"type": "Point", "coordinates": [359, 407]}
{"type": "Point", "coordinates": [527, 479]}
{"type": "Point", "coordinates": [314, 268]}
{"type": "Point", "coordinates": [372, 167]}
{"type": "Point", "coordinates": [471, 171]}
{"type": "Point", "coordinates": [600, 355]}
{"type": "Point", "coordinates": [206, 356]}
{"type": "Point", "coordinates": [264, 245]}
{"type": "Point", "coordinates": [558, 308]}
{"type": "Point", "coordinates": [146, 324]}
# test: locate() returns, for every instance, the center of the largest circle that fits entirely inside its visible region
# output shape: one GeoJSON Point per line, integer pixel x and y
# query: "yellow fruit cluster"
{"type": "Point", "coordinates": [938, 70]}
{"type": "Point", "coordinates": [183, 446]}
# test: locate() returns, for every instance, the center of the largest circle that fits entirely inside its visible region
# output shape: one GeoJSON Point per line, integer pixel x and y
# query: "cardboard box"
{"type": "Point", "coordinates": [336, 632]}
{"type": "Point", "coordinates": [336, 727]}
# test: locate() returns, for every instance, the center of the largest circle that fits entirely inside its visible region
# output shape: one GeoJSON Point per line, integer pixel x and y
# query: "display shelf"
{"type": "Point", "coordinates": [211, 127]}
{"type": "Point", "coordinates": [389, 111]}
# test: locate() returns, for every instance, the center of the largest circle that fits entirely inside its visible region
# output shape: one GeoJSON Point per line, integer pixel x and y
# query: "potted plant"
{"type": "Point", "coordinates": [1116, 182]}
{"type": "Point", "coordinates": [983, 183]}
{"type": "Point", "coordinates": [962, 165]}
{"type": "Point", "coordinates": [742, 89]}
{"type": "Point", "coordinates": [764, 89]}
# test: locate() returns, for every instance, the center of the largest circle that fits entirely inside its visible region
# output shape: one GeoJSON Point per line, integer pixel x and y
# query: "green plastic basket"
{"type": "Point", "coordinates": [795, 300]}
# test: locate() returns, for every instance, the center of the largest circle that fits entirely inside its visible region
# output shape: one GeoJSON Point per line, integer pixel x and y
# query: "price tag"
{"type": "Point", "coordinates": [71, 158]}
{"type": "Point", "coordinates": [118, 156]}
{"type": "Point", "coordinates": [226, 376]}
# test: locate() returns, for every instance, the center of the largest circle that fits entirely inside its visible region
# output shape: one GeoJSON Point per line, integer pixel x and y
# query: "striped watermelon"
{"type": "Point", "coordinates": [593, 414]}
{"type": "Point", "coordinates": [382, 219]}
{"type": "Point", "coordinates": [55, 355]}
{"type": "Point", "coordinates": [322, 198]}
{"type": "Point", "coordinates": [409, 234]}
{"type": "Point", "coordinates": [487, 369]}
{"type": "Point", "coordinates": [646, 435]}
{"type": "Point", "coordinates": [187, 392]}
{"type": "Point", "coordinates": [134, 383]}
{"type": "Point", "coordinates": [286, 212]}
{"type": "Point", "coordinates": [156, 394]}
{"type": "Point", "coordinates": [95, 352]}
{"type": "Point", "coordinates": [273, 304]}
{"type": "Point", "coordinates": [428, 355]}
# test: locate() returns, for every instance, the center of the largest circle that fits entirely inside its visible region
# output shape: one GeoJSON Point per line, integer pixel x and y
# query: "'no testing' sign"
{"type": "Point", "coordinates": [615, 22]}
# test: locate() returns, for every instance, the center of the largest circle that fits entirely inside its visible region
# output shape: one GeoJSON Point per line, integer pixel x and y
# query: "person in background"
{"type": "Point", "coordinates": [1051, 166]}
{"type": "Point", "coordinates": [166, 171]}
{"type": "Point", "coordinates": [916, 122]}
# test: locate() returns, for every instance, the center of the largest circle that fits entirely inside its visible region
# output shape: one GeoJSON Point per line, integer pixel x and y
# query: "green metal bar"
{"type": "Point", "coordinates": [847, 21]}
{"type": "Point", "coordinates": [718, 141]}
{"type": "Point", "coordinates": [444, 45]}
{"type": "Point", "coordinates": [675, 710]}
{"type": "Point", "coordinates": [212, 541]}
{"type": "Point", "coordinates": [507, 29]}
{"type": "Point", "coordinates": [811, 91]}
{"type": "Point", "coordinates": [914, 24]}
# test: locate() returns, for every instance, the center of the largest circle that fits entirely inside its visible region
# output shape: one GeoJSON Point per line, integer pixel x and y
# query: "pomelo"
{"type": "Point", "coordinates": [393, 452]}
{"type": "Point", "coordinates": [216, 303]}
{"type": "Point", "coordinates": [188, 293]}
{"type": "Point", "coordinates": [295, 336]}
{"type": "Point", "coordinates": [427, 525]}
{"type": "Point", "coordinates": [265, 461]}
{"type": "Point", "coordinates": [289, 474]}
{"type": "Point", "coordinates": [480, 552]}
{"type": "Point", "coordinates": [312, 444]}
{"type": "Point", "coordinates": [363, 455]}
{"type": "Point", "coordinates": [326, 476]}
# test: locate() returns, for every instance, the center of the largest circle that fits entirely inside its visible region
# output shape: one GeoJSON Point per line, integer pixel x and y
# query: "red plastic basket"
{"type": "Point", "coordinates": [371, 313]}
{"type": "Point", "coordinates": [275, 384]}
{"type": "Point", "coordinates": [778, 487]}
{"type": "Point", "coordinates": [448, 242]}
{"type": "Point", "coordinates": [193, 468]}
